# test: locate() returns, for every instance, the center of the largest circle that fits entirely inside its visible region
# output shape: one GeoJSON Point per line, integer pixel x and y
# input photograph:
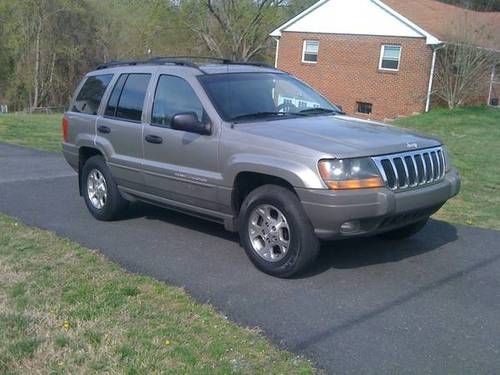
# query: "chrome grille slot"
{"type": "Point", "coordinates": [411, 169]}
{"type": "Point", "coordinates": [402, 174]}
{"type": "Point", "coordinates": [435, 163]}
{"type": "Point", "coordinates": [428, 167]}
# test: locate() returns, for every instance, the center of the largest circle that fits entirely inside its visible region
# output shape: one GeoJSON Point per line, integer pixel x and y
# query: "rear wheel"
{"type": "Point", "coordinates": [100, 192]}
{"type": "Point", "coordinates": [275, 232]}
{"type": "Point", "coordinates": [405, 232]}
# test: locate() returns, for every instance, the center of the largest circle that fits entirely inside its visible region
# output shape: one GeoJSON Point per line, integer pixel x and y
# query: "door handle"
{"type": "Point", "coordinates": [154, 139]}
{"type": "Point", "coordinates": [103, 129]}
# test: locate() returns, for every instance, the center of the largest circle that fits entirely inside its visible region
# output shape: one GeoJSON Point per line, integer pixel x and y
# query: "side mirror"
{"type": "Point", "coordinates": [188, 122]}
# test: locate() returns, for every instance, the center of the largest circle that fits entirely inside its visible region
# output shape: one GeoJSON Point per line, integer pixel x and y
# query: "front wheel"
{"type": "Point", "coordinates": [276, 233]}
{"type": "Point", "coordinates": [405, 232]}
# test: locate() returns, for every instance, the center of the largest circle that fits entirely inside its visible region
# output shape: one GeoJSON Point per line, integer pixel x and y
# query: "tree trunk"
{"type": "Point", "coordinates": [37, 64]}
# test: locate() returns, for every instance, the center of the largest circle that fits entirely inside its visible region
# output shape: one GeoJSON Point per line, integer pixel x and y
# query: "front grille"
{"type": "Point", "coordinates": [412, 169]}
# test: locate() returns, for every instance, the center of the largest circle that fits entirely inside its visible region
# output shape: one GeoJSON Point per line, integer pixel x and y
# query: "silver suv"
{"type": "Point", "coordinates": [254, 149]}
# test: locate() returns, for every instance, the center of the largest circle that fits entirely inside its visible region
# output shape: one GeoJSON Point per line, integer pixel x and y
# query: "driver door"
{"type": "Point", "coordinates": [179, 166]}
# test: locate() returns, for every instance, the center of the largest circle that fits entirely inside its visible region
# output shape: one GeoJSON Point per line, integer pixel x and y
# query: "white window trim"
{"type": "Point", "coordinates": [304, 52]}
{"type": "Point", "coordinates": [382, 50]}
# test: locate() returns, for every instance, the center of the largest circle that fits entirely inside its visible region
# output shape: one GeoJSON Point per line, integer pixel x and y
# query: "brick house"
{"type": "Point", "coordinates": [376, 58]}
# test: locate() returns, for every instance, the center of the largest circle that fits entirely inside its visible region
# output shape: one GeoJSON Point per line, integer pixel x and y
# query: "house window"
{"type": "Point", "coordinates": [390, 57]}
{"type": "Point", "coordinates": [310, 51]}
{"type": "Point", "coordinates": [363, 107]}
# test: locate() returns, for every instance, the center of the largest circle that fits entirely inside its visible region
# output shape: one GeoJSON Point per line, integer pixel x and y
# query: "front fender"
{"type": "Point", "coordinates": [297, 174]}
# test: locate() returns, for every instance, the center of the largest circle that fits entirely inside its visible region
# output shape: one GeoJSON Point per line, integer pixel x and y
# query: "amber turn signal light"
{"type": "Point", "coordinates": [373, 182]}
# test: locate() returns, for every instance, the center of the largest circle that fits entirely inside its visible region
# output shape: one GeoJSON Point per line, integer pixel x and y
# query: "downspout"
{"type": "Point", "coordinates": [277, 52]}
{"type": "Point", "coordinates": [493, 72]}
{"type": "Point", "coordinates": [431, 77]}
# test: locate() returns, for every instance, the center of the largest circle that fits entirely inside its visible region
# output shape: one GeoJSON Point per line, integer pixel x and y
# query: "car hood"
{"type": "Point", "coordinates": [340, 136]}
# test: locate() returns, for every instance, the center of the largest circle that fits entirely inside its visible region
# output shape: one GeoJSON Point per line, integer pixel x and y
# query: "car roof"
{"type": "Point", "coordinates": [182, 66]}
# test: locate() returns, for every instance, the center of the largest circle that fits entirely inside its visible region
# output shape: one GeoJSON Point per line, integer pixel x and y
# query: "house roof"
{"type": "Point", "coordinates": [357, 17]}
{"type": "Point", "coordinates": [431, 19]}
{"type": "Point", "coordinates": [448, 22]}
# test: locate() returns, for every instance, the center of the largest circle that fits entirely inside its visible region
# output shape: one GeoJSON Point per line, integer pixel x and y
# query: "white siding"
{"type": "Point", "coordinates": [358, 17]}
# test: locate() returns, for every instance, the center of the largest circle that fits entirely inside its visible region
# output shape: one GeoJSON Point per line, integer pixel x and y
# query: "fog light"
{"type": "Point", "coordinates": [350, 226]}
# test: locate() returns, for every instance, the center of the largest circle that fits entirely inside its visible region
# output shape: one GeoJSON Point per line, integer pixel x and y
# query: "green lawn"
{"type": "Point", "coordinates": [66, 309]}
{"type": "Point", "coordinates": [38, 131]}
{"type": "Point", "coordinates": [473, 139]}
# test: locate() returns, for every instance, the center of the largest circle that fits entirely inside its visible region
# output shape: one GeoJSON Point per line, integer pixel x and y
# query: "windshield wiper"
{"type": "Point", "coordinates": [320, 110]}
{"type": "Point", "coordinates": [262, 115]}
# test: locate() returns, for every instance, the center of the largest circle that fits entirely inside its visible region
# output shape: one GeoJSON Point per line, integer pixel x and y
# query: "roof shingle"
{"type": "Point", "coordinates": [447, 22]}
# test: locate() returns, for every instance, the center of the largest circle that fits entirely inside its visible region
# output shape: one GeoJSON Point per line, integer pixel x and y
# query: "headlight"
{"type": "Point", "coordinates": [350, 174]}
{"type": "Point", "coordinates": [447, 159]}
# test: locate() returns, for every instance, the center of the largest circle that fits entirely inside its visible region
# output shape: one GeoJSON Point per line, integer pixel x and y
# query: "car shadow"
{"type": "Point", "coordinates": [341, 254]}
{"type": "Point", "coordinates": [362, 252]}
{"type": "Point", "coordinates": [150, 212]}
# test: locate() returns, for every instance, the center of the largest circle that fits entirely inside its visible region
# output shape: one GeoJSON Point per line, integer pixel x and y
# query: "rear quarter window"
{"type": "Point", "coordinates": [90, 95]}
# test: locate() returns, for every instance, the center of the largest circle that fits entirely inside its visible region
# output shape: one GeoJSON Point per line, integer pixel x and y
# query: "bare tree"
{"type": "Point", "coordinates": [463, 66]}
{"type": "Point", "coordinates": [236, 29]}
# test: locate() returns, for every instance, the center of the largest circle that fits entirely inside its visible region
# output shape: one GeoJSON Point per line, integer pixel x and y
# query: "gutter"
{"type": "Point", "coordinates": [431, 77]}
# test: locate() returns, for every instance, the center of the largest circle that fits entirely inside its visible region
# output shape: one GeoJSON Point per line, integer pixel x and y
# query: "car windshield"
{"type": "Point", "coordinates": [247, 96]}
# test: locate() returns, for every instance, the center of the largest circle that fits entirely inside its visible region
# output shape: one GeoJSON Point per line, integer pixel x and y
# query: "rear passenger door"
{"type": "Point", "coordinates": [119, 130]}
{"type": "Point", "coordinates": [180, 165]}
{"type": "Point", "coordinates": [83, 112]}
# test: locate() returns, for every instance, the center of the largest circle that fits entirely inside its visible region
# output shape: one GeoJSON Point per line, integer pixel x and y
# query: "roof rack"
{"type": "Point", "coordinates": [251, 63]}
{"type": "Point", "coordinates": [180, 60]}
{"type": "Point", "coordinates": [152, 61]}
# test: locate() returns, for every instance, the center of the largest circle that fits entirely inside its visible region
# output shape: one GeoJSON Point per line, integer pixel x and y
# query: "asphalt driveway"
{"type": "Point", "coordinates": [427, 305]}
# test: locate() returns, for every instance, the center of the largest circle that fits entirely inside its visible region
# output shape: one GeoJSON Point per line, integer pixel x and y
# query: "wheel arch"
{"type": "Point", "coordinates": [84, 154]}
{"type": "Point", "coordinates": [247, 181]}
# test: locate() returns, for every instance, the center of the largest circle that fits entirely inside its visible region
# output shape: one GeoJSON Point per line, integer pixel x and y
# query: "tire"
{"type": "Point", "coordinates": [292, 227]}
{"type": "Point", "coordinates": [405, 232]}
{"type": "Point", "coordinates": [114, 205]}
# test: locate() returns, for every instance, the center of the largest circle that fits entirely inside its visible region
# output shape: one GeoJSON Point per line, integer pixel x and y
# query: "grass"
{"type": "Point", "coordinates": [38, 131]}
{"type": "Point", "coordinates": [472, 136]}
{"type": "Point", "coordinates": [66, 309]}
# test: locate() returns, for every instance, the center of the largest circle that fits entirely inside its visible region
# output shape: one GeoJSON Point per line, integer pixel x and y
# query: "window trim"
{"type": "Point", "coordinates": [382, 50]}
{"type": "Point", "coordinates": [304, 51]}
{"type": "Point", "coordinates": [144, 104]}
{"type": "Point", "coordinates": [151, 109]}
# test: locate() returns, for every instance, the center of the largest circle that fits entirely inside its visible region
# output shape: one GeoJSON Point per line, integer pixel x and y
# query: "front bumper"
{"type": "Point", "coordinates": [376, 210]}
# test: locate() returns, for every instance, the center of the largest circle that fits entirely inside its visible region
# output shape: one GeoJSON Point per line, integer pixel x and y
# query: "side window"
{"type": "Point", "coordinates": [310, 51]}
{"type": "Point", "coordinates": [127, 99]}
{"type": "Point", "coordinates": [90, 95]}
{"type": "Point", "coordinates": [390, 57]}
{"type": "Point", "coordinates": [174, 95]}
{"type": "Point", "coordinates": [115, 96]}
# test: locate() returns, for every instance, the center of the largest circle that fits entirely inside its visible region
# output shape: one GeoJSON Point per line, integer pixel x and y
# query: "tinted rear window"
{"type": "Point", "coordinates": [115, 96]}
{"type": "Point", "coordinates": [127, 99]}
{"type": "Point", "coordinates": [91, 93]}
